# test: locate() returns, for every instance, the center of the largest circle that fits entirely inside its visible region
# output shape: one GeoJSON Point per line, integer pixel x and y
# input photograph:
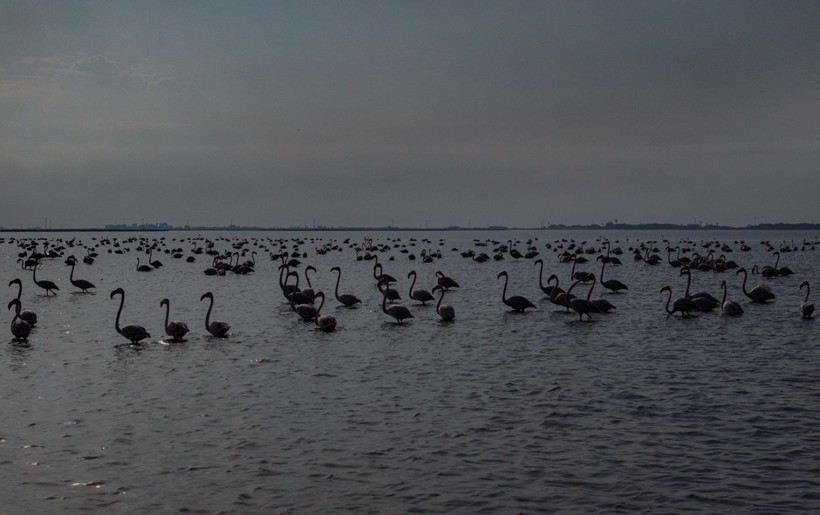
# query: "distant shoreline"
{"type": "Point", "coordinates": [551, 227]}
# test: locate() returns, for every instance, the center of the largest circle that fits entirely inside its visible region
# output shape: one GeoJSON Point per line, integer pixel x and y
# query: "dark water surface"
{"type": "Point", "coordinates": [497, 412]}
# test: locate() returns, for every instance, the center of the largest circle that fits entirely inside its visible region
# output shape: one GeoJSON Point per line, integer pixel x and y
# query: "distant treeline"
{"type": "Point", "coordinates": [609, 226]}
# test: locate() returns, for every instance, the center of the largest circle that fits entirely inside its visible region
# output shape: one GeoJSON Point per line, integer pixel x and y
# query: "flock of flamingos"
{"type": "Point", "coordinates": [303, 301]}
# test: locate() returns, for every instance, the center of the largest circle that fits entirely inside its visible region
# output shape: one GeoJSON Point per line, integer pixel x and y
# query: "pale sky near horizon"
{"type": "Point", "coordinates": [412, 113]}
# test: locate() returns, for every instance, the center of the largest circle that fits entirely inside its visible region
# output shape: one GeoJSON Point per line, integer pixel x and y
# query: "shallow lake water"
{"type": "Point", "coordinates": [496, 412]}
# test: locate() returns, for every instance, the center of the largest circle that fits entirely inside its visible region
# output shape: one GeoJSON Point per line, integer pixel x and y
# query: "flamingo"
{"type": "Point", "coordinates": [557, 295]}
{"type": "Point", "coordinates": [392, 294]}
{"type": "Point", "coordinates": [612, 259]}
{"type": "Point", "coordinates": [783, 271]}
{"type": "Point", "coordinates": [759, 294]}
{"type": "Point", "coordinates": [306, 311]}
{"type": "Point", "coordinates": [422, 296]}
{"type": "Point", "coordinates": [381, 276]}
{"type": "Point", "coordinates": [309, 292]}
{"type": "Point", "coordinates": [444, 281]}
{"type": "Point", "coordinates": [683, 305]}
{"type": "Point", "coordinates": [516, 302]}
{"type": "Point", "coordinates": [154, 263]}
{"type": "Point", "coordinates": [287, 289]}
{"type": "Point", "coordinates": [702, 300]}
{"type": "Point", "coordinates": [297, 296]}
{"type": "Point", "coordinates": [48, 286]}
{"type": "Point", "coordinates": [447, 313]}
{"type": "Point", "coordinates": [396, 311]}
{"type": "Point", "coordinates": [79, 283]}
{"type": "Point", "coordinates": [19, 327]}
{"type": "Point", "coordinates": [142, 268]}
{"type": "Point", "coordinates": [549, 288]}
{"type": "Point", "coordinates": [176, 329]}
{"type": "Point", "coordinates": [610, 284]}
{"type": "Point", "coordinates": [582, 306]}
{"type": "Point", "coordinates": [514, 253]}
{"type": "Point", "coordinates": [729, 307]}
{"type": "Point", "coordinates": [326, 323]}
{"type": "Point", "coordinates": [216, 328]}
{"type": "Point", "coordinates": [133, 333]}
{"type": "Point", "coordinates": [601, 305]}
{"type": "Point", "coordinates": [347, 299]}
{"type": "Point", "coordinates": [806, 308]}
{"type": "Point", "coordinates": [27, 315]}
{"type": "Point", "coordinates": [578, 276]}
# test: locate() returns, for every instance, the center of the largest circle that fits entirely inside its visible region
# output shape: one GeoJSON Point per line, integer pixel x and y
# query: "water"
{"type": "Point", "coordinates": [496, 412]}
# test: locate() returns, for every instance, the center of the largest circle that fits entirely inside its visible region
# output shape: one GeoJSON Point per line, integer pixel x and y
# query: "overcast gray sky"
{"type": "Point", "coordinates": [416, 113]}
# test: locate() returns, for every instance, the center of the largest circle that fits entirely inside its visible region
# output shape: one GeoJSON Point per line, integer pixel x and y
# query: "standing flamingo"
{"type": "Point", "coordinates": [729, 307]}
{"type": "Point", "coordinates": [702, 300]}
{"type": "Point", "coordinates": [396, 311]}
{"type": "Point", "coordinates": [48, 286]}
{"type": "Point", "coordinates": [176, 329]}
{"type": "Point", "coordinates": [557, 295]}
{"type": "Point", "coordinates": [759, 294]}
{"type": "Point", "coordinates": [444, 281]}
{"type": "Point", "coordinates": [134, 333]}
{"type": "Point", "coordinates": [216, 328]}
{"type": "Point", "coordinates": [297, 296]}
{"type": "Point", "coordinates": [447, 313]}
{"type": "Point", "coordinates": [516, 302]}
{"type": "Point", "coordinates": [806, 308]}
{"type": "Point", "coordinates": [682, 304]}
{"type": "Point", "coordinates": [326, 323]}
{"type": "Point", "coordinates": [422, 296]}
{"type": "Point", "coordinates": [156, 263]}
{"type": "Point", "coordinates": [610, 284]}
{"type": "Point", "coordinates": [580, 305]}
{"type": "Point", "coordinates": [79, 283]}
{"type": "Point", "coordinates": [381, 276]}
{"type": "Point", "coordinates": [26, 314]}
{"type": "Point", "coordinates": [20, 329]}
{"type": "Point", "coordinates": [309, 292]}
{"type": "Point", "coordinates": [306, 311]}
{"type": "Point", "coordinates": [601, 305]}
{"type": "Point", "coordinates": [549, 288]}
{"type": "Point", "coordinates": [782, 271]}
{"type": "Point", "coordinates": [347, 299]}
{"type": "Point", "coordinates": [143, 268]}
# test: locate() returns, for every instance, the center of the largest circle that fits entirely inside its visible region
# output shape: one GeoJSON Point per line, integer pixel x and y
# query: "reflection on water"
{"type": "Point", "coordinates": [496, 412]}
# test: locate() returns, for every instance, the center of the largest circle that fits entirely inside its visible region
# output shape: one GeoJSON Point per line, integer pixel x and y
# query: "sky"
{"type": "Point", "coordinates": [409, 113]}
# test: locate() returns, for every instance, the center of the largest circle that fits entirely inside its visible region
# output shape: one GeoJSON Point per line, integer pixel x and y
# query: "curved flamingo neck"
{"type": "Point", "coordinates": [541, 274]}
{"type": "Point", "coordinates": [744, 281]}
{"type": "Point", "coordinates": [322, 303]}
{"type": "Point", "coordinates": [208, 314]}
{"type": "Point", "coordinates": [338, 279]}
{"type": "Point", "coordinates": [668, 300]}
{"type": "Point", "coordinates": [119, 311]}
{"type": "Point", "coordinates": [571, 287]}
{"type": "Point", "coordinates": [283, 279]}
{"type": "Point", "coordinates": [384, 299]}
{"type": "Point", "coordinates": [167, 313]}
{"type": "Point", "coordinates": [504, 291]}
{"type": "Point", "coordinates": [589, 293]}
